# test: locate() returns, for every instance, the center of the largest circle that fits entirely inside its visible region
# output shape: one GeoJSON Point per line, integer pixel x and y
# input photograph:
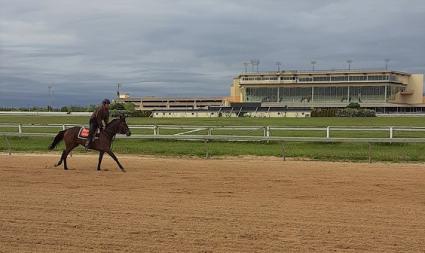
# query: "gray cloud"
{"type": "Point", "coordinates": [191, 48]}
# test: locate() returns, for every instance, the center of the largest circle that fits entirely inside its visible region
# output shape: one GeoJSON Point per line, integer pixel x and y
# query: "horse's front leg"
{"type": "Point", "coordinates": [100, 159]}
{"type": "Point", "coordinates": [116, 160]}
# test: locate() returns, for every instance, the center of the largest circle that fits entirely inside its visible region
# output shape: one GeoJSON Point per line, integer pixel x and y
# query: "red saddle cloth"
{"type": "Point", "coordinates": [83, 133]}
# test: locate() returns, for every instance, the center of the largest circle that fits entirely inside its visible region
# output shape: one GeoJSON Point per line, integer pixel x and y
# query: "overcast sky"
{"type": "Point", "coordinates": [83, 48]}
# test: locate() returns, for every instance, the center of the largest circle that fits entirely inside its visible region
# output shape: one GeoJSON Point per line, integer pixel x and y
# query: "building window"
{"type": "Point", "coordinates": [295, 94]}
{"type": "Point", "coordinates": [331, 94]}
{"type": "Point", "coordinates": [339, 78]}
{"type": "Point", "coordinates": [321, 79]}
{"type": "Point", "coordinates": [261, 94]}
{"type": "Point", "coordinates": [392, 91]}
{"type": "Point", "coordinates": [287, 78]}
{"type": "Point", "coordinates": [358, 78]}
{"type": "Point", "coordinates": [305, 79]}
{"type": "Point", "coordinates": [364, 94]}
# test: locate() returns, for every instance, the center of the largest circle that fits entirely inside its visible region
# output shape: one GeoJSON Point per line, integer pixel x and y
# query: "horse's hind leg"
{"type": "Point", "coordinates": [65, 155]}
{"type": "Point", "coordinates": [100, 159]}
{"type": "Point", "coordinates": [61, 159]}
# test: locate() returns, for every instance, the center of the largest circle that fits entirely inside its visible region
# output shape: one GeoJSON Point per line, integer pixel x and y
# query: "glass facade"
{"type": "Point", "coordinates": [295, 94]}
{"type": "Point", "coordinates": [327, 78]}
{"type": "Point", "coordinates": [392, 90]}
{"type": "Point", "coordinates": [261, 94]}
{"type": "Point", "coordinates": [332, 94]}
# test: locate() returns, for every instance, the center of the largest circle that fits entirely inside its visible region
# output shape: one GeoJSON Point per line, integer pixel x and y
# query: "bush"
{"type": "Point", "coordinates": [117, 107]}
{"type": "Point", "coordinates": [354, 105]}
{"type": "Point", "coordinates": [350, 112]}
{"type": "Point", "coordinates": [140, 114]}
{"type": "Point", "coordinates": [346, 112]}
{"type": "Point", "coordinates": [323, 112]}
{"type": "Point", "coordinates": [129, 107]}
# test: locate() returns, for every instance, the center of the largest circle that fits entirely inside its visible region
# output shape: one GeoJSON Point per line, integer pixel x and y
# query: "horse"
{"type": "Point", "coordinates": [101, 144]}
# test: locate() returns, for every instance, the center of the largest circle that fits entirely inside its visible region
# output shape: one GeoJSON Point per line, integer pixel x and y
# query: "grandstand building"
{"type": "Point", "coordinates": [381, 90]}
{"type": "Point", "coordinates": [170, 103]}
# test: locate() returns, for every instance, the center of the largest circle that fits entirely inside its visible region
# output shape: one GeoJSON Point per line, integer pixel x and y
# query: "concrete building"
{"type": "Point", "coordinates": [381, 90]}
{"type": "Point", "coordinates": [296, 93]}
{"type": "Point", "coordinates": [156, 103]}
{"type": "Point", "coordinates": [231, 112]}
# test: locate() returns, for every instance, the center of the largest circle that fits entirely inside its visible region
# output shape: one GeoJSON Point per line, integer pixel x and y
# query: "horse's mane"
{"type": "Point", "coordinates": [109, 128]}
{"type": "Point", "coordinates": [112, 121]}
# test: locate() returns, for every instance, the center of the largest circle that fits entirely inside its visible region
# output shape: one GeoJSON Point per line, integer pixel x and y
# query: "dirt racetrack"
{"type": "Point", "coordinates": [195, 205]}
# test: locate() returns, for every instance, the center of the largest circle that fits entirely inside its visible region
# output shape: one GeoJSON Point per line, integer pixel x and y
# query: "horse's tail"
{"type": "Point", "coordinates": [57, 139]}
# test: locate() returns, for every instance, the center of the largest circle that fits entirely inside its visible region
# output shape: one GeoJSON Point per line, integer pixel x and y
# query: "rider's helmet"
{"type": "Point", "coordinates": [106, 101]}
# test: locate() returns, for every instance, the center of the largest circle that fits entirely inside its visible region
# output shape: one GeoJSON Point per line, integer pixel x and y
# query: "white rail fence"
{"type": "Point", "coordinates": [263, 133]}
{"type": "Point", "coordinates": [233, 133]}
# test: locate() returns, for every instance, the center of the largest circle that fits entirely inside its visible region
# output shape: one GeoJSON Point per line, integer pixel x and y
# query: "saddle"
{"type": "Point", "coordinates": [84, 134]}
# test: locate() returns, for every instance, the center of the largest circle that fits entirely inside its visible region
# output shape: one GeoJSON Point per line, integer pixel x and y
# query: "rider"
{"type": "Point", "coordinates": [98, 119]}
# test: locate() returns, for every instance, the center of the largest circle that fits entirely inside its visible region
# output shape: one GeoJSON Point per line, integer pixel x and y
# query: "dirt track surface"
{"type": "Point", "coordinates": [194, 205]}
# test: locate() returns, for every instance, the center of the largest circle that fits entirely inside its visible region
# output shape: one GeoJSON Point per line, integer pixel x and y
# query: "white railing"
{"type": "Point", "coordinates": [266, 134]}
{"type": "Point", "coordinates": [235, 133]}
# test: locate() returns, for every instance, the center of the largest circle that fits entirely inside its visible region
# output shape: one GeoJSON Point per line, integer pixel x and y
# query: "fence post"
{"type": "Point", "coordinates": [268, 131]}
{"type": "Point", "coordinates": [63, 127]}
{"type": "Point", "coordinates": [8, 145]}
{"type": "Point", "coordinates": [391, 132]}
{"type": "Point", "coordinates": [283, 151]}
{"type": "Point", "coordinates": [370, 152]}
{"type": "Point", "coordinates": [20, 128]}
{"type": "Point", "coordinates": [206, 149]}
{"type": "Point", "coordinates": [155, 130]}
{"type": "Point", "coordinates": [209, 131]}
{"type": "Point", "coordinates": [328, 132]}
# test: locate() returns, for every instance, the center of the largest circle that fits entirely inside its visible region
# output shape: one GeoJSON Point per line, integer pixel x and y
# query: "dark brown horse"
{"type": "Point", "coordinates": [102, 144]}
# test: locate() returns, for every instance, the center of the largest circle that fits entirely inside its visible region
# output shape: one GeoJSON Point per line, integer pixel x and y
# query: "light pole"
{"type": "Point", "coordinates": [49, 107]}
{"type": "Point", "coordinates": [255, 62]}
{"type": "Point", "coordinates": [313, 63]}
{"type": "Point", "coordinates": [349, 64]}
{"type": "Point", "coordinates": [386, 63]}
{"type": "Point", "coordinates": [252, 65]}
{"type": "Point", "coordinates": [278, 66]}
{"type": "Point", "coordinates": [245, 64]}
{"type": "Point", "coordinates": [118, 90]}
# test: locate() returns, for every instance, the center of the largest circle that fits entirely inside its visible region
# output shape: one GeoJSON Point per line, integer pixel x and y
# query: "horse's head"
{"type": "Point", "coordinates": [123, 127]}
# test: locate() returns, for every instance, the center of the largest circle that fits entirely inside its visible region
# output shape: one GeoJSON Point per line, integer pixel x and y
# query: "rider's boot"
{"type": "Point", "coordinates": [89, 142]}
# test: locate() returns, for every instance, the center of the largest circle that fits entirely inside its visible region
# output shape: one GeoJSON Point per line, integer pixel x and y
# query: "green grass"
{"type": "Point", "coordinates": [320, 151]}
{"type": "Point", "coordinates": [374, 121]}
